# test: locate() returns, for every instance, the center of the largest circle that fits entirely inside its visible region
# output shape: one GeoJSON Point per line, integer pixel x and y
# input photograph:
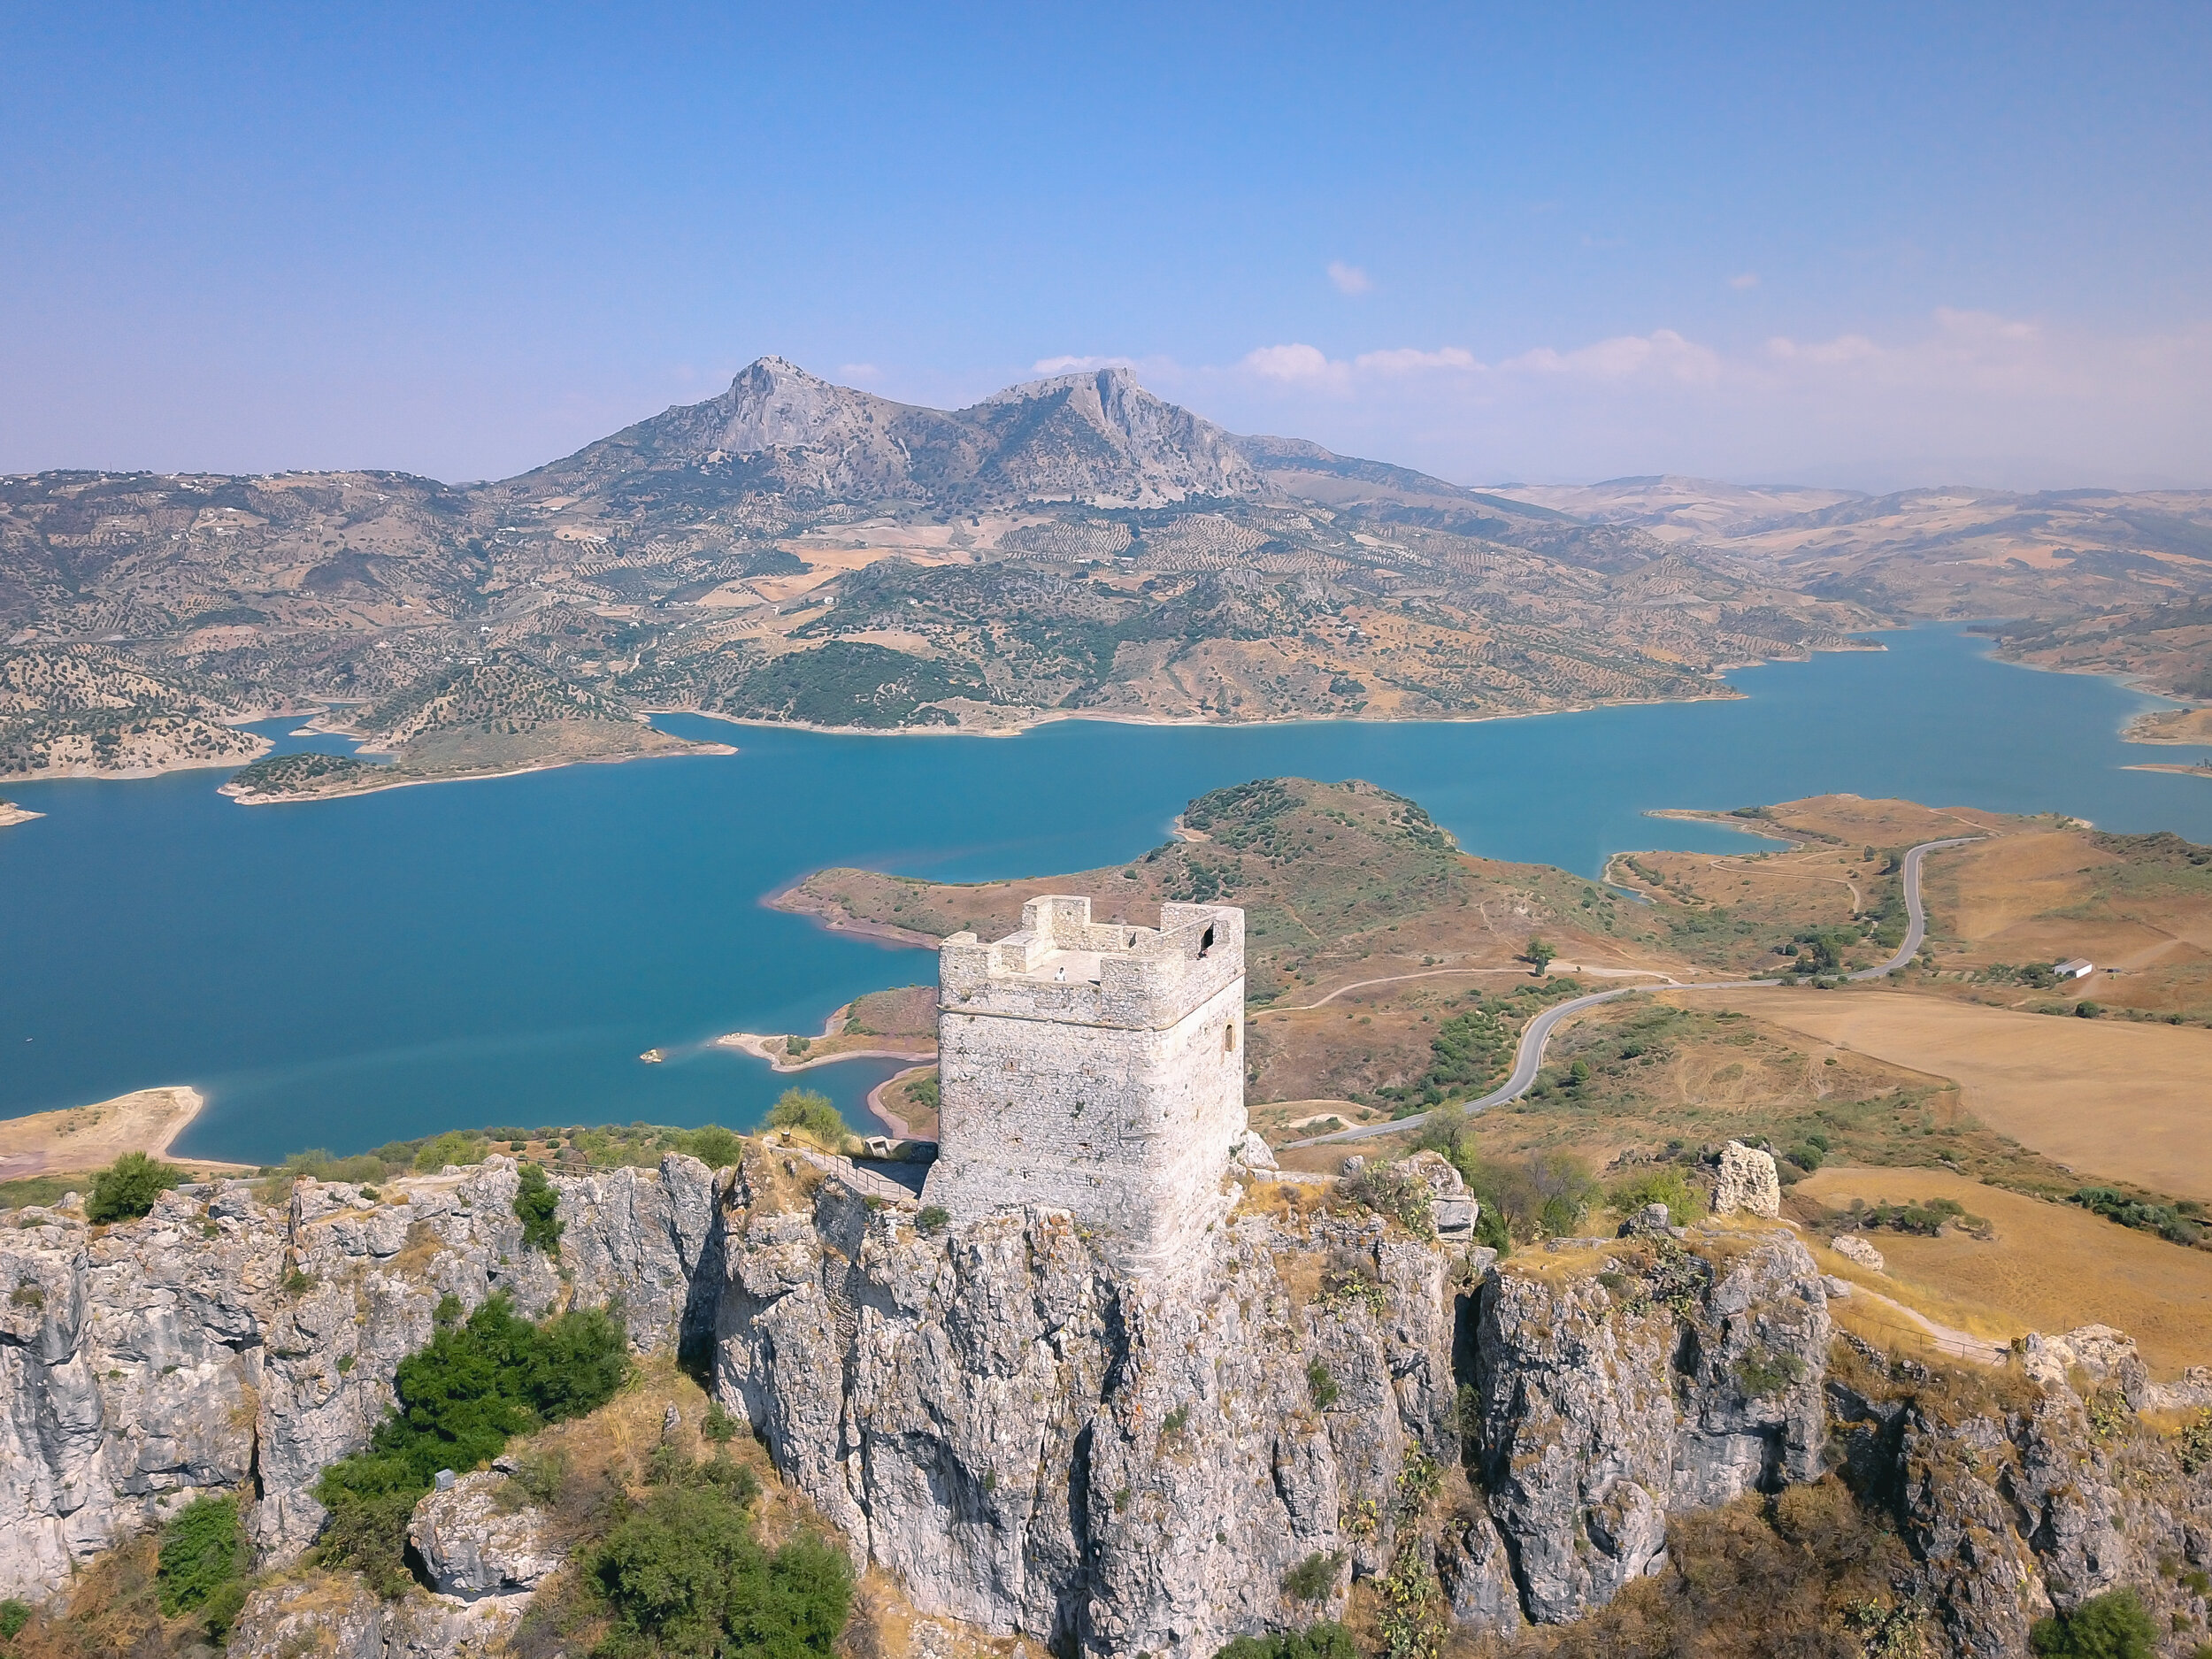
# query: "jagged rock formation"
{"type": "Point", "coordinates": [1098, 438]}
{"type": "Point", "coordinates": [1746, 1181]}
{"type": "Point", "coordinates": [221, 1342]}
{"type": "Point", "coordinates": [332, 1616]}
{"type": "Point", "coordinates": [473, 1548]}
{"type": "Point", "coordinates": [1604, 1410]}
{"type": "Point", "coordinates": [1035, 1443]}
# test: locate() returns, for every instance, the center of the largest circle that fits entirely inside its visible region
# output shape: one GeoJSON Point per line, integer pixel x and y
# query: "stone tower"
{"type": "Point", "coordinates": [1095, 1068]}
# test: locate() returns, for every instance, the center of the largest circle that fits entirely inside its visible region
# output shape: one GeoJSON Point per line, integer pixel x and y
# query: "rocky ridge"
{"type": "Point", "coordinates": [1036, 1446]}
{"type": "Point", "coordinates": [1097, 438]}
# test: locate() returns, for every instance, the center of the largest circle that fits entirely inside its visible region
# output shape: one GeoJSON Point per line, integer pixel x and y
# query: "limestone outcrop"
{"type": "Point", "coordinates": [1604, 1407]}
{"type": "Point", "coordinates": [473, 1544]}
{"type": "Point", "coordinates": [1746, 1182]}
{"type": "Point", "coordinates": [1039, 1444]}
{"type": "Point", "coordinates": [1852, 1248]}
{"type": "Point", "coordinates": [222, 1341]}
{"type": "Point", "coordinates": [335, 1616]}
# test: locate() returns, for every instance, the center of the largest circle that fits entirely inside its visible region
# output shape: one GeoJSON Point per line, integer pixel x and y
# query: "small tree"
{"type": "Point", "coordinates": [1539, 955]}
{"type": "Point", "coordinates": [806, 1113]}
{"type": "Point", "coordinates": [714, 1146]}
{"type": "Point", "coordinates": [536, 1205]}
{"type": "Point", "coordinates": [1314, 1578]}
{"type": "Point", "coordinates": [127, 1187]}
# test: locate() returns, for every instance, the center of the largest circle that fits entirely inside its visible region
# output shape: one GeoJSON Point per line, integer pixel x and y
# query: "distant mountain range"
{"type": "Point", "coordinates": [795, 549]}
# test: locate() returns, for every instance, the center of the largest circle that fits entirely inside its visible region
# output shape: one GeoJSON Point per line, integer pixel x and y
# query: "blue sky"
{"type": "Point", "coordinates": [1870, 245]}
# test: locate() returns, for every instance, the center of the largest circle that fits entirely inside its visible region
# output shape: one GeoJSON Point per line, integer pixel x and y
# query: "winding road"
{"type": "Point", "coordinates": [1528, 1059]}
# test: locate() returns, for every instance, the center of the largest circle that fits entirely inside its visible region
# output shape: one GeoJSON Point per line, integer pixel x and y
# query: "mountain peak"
{"type": "Point", "coordinates": [1094, 436]}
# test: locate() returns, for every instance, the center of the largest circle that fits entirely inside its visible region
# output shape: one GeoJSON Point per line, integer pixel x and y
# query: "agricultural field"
{"type": "Point", "coordinates": [2042, 1267]}
{"type": "Point", "coordinates": [2105, 1099]}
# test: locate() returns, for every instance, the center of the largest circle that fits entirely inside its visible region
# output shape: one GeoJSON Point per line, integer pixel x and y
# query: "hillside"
{"type": "Point", "coordinates": [85, 711]}
{"type": "Point", "coordinates": [794, 551]}
{"type": "Point", "coordinates": [483, 719]}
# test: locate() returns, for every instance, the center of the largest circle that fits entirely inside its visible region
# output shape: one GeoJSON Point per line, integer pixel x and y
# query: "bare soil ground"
{"type": "Point", "coordinates": [2102, 1097]}
{"type": "Point", "coordinates": [85, 1138]}
{"type": "Point", "coordinates": [2172, 726]}
{"type": "Point", "coordinates": [2049, 1267]}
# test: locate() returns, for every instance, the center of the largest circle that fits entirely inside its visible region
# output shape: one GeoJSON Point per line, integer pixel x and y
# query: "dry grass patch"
{"type": "Point", "coordinates": [2051, 1267]}
{"type": "Point", "coordinates": [81, 1138]}
{"type": "Point", "coordinates": [2101, 1097]}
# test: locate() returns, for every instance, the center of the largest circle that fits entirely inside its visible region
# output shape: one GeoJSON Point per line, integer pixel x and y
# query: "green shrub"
{"type": "Point", "coordinates": [204, 1563]}
{"type": "Point", "coordinates": [714, 1146]}
{"type": "Point", "coordinates": [1314, 1578]}
{"type": "Point", "coordinates": [1322, 1385]}
{"type": "Point", "coordinates": [934, 1219]}
{"type": "Point", "coordinates": [718, 1425]}
{"type": "Point", "coordinates": [2114, 1626]}
{"type": "Point", "coordinates": [455, 1146]}
{"type": "Point", "coordinates": [1491, 1230]}
{"type": "Point", "coordinates": [2192, 1448]}
{"type": "Point", "coordinates": [806, 1113]}
{"type": "Point", "coordinates": [460, 1399]}
{"type": "Point", "coordinates": [682, 1574]}
{"type": "Point", "coordinates": [1406, 1199]}
{"type": "Point", "coordinates": [535, 1204]}
{"type": "Point", "coordinates": [2166, 1220]}
{"type": "Point", "coordinates": [15, 1613]}
{"type": "Point", "coordinates": [1765, 1372]}
{"type": "Point", "coordinates": [1664, 1185]}
{"type": "Point", "coordinates": [127, 1187]}
{"type": "Point", "coordinates": [1323, 1641]}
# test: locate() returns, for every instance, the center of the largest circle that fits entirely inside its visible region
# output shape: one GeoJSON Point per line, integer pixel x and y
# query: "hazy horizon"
{"type": "Point", "coordinates": [1865, 252]}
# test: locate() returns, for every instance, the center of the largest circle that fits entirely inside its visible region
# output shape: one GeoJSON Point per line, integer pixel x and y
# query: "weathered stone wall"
{"type": "Point", "coordinates": [1115, 1093]}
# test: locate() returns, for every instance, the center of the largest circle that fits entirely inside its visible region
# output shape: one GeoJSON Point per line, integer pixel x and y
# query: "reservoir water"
{"type": "Point", "coordinates": [340, 973]}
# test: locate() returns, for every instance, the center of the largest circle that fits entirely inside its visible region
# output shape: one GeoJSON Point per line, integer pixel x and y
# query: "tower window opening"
{"type": "Point", "coordinates": [1228, 1039]}
{"type": "Point", "coordinates": [1205, 943]}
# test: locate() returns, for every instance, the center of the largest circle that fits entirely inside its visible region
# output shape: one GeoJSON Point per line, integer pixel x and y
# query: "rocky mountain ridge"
{"type": "Point", "coordinates": [1099, 439]}
{"type": "Point", "coordinates": [1033, 1445]}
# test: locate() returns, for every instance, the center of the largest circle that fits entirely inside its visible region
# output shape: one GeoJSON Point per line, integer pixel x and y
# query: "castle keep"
{"type": "Point", "coordinates": [1095, 1068]}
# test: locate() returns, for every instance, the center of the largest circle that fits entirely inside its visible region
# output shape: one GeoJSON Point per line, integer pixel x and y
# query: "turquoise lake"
{"type": "Point", "coordinates": [340, 973]}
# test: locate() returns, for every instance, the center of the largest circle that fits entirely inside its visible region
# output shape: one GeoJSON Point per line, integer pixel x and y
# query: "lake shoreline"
{"type": "Point", "coordinates": [502, 956]}
{"type": "Point", "coordinates": [694, 748]}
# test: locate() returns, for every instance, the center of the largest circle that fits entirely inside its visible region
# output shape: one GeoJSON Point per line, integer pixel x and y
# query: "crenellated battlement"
{"type": "Point", "coordinates": [1060, 965]}
{"type": "Point", "coordinates": [1095, 1068]}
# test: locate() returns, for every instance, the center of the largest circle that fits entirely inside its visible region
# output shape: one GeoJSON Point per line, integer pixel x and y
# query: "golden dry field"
{"type": "Point", "coordinates": [2126, 1102]}
{"type": "Point", "coordinates": [2049, 1267]}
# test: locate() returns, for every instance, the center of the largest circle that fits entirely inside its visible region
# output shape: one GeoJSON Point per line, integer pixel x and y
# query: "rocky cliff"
{"type": "Point", "coordinates": [223, 1343]}
{"type": "Point", "coordinates": [1096, 437]}
{"type": "Point", "coordinates": [1034, 1445]}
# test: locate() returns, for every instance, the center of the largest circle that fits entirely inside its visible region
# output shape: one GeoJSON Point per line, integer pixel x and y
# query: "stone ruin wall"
{"type": "Point", "coordinates": [1116, 1100]}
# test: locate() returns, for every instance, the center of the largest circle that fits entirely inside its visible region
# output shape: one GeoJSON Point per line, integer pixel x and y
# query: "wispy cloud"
{"type": "Point", "coordinates": [1744, 279]}
{"type": "Point", "coordinates": [859, 372]}
{"type": "Point", "coordinates": [1969, 394]}
{"type": "Point", "coordinates": [1079, 365]}
{"type": "Point", "coordinates": [1349, 279]}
